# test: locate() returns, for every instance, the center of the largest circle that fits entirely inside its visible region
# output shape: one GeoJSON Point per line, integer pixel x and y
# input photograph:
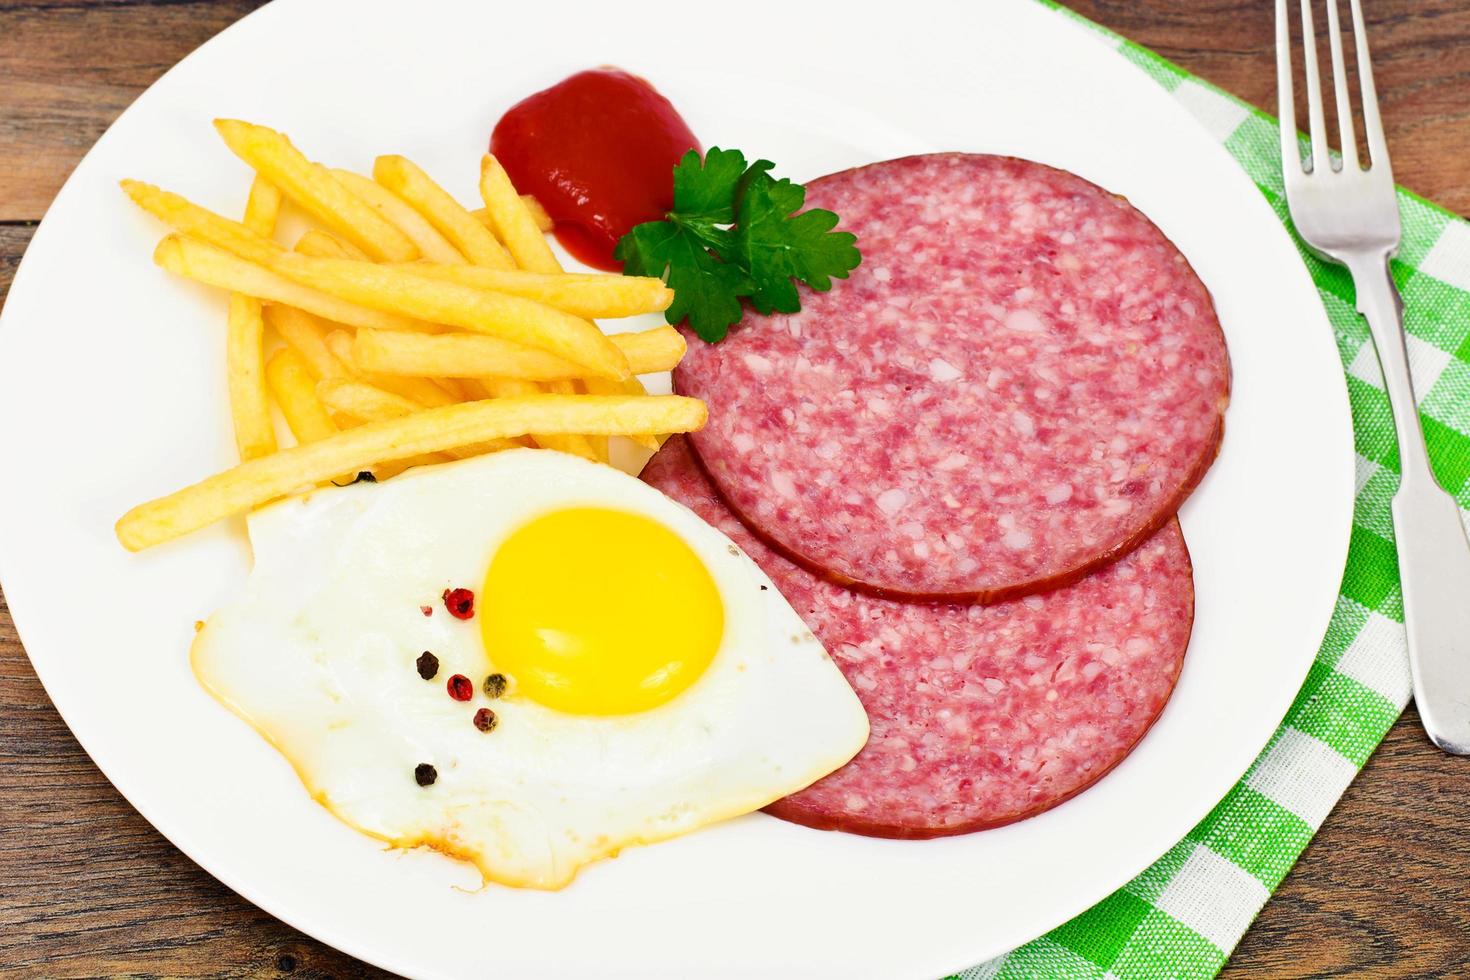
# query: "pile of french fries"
{"type": "Point", "coordinates": [402, 329]}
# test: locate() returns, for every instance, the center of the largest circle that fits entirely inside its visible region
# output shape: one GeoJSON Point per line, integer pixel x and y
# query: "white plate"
{"type": "Point", "coordinates": [111, 392]}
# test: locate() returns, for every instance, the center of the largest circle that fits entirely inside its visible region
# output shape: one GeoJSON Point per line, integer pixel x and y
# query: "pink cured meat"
{"type": "Point", "coordinates": [980, 715]}
{"type": "Point", "coordinates": [1021, 381]}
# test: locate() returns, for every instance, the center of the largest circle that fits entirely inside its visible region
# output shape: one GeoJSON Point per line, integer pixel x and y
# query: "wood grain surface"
{"type": "Point", "coordinates": [88, 888]}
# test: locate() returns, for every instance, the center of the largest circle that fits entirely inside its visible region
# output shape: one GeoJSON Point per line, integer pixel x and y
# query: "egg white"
{"type": "Point", "coordinates": [318, 656]}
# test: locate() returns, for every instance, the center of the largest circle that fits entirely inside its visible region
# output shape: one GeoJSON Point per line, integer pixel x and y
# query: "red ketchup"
{"type": "Point", "coordinates": [598, 151]}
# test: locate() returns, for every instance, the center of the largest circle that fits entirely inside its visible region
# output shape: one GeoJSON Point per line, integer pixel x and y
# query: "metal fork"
{"type": "Point", "coordinates": [1348, 214]}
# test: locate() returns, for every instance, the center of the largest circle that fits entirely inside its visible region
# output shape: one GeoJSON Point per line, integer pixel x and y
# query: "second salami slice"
{"type": "Point", "coordinates": [980, 715]}
{"type": "Point", "coordinates": [1022, 381]}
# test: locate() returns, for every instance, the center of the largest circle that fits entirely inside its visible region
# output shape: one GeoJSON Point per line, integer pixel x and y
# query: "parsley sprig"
{"type": "Point", "coordinates": [736, 231]}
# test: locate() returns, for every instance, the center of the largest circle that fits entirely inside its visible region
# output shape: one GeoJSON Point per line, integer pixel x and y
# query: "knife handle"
{"type": "Point", "coordinates": [1433, 551]}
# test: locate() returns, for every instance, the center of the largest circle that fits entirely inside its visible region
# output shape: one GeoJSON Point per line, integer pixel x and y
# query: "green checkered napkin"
{"type": "Point", "coordinates": [1182, 917]}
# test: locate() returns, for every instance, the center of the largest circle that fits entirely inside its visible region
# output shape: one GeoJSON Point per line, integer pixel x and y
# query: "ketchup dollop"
{"type": "Point", "coordinates": [598, 151]}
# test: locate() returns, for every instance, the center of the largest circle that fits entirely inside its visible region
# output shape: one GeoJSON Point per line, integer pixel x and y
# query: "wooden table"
{"type": "Point", "coordinates": [88, 888]}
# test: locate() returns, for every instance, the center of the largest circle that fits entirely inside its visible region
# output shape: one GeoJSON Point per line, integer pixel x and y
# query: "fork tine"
{"type": "Point", "coordinates": [1372, 121]}
{"type": "Point", "coordinates": [1285, 94]}
{"type": "Point", "coordinates": [1345, 129]}
{"type": "Point", "coordinates": [1318, 120]}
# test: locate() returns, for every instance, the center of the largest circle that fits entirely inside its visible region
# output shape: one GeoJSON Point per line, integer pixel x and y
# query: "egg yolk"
{"type": "Point", "coordinates": [599, 612]}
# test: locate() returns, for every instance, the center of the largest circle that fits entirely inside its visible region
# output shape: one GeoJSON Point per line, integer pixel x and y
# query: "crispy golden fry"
{"type": "Point", "coordinates": [658, 349]}
{"type": "Point", "coordinates": [632, 386]}
{"type": "Point", "coordinates": [263, 206]}
{"type": "Point", "coordinates": [255, 434]}
{"type": "Point", "coordinates": [259, 481]}
{"type": "Point", "coordinates": [434, 246]}
{"type": "Point", "coordinates": [524, 321]}
{"type": "Point", "coordinates": [581, 294]}
{"type": "Point", "coordinates": [372, 404]}
{"type": "Point", "coordinates": [537, 212]}
{"type": "Point", "coordinates": [455, 387]}
{"type": "Point", "coordinates": [201, 261]}
{"type": "Point", "coordinates": [326, 245]}
{"type": "Point", "coordinates": [422, 391]}
{"type": "Point", "coordinates": [593, 447]}
{"type": "Point", "coordinates": [573, 443]}
{"type": "Point", "coordinates": [467, 355]}
{"type": "Point", "coordinates": [510, 388]}
{"type": "Point", "coordinates": [386, 471]}
{"type": "Point", "coordinates": [295, 392]}
{"type": "Point", "coordinates": [474, 241]}
{"type": "Point", "coordinates": [316, 191]}
{"type": "Point", "coordinates": [190, 218]}
{"type": "Point", "coordinates": [306, 334]}
{"type": "Point", "coordinates": [513, 222]}
{"type": "Point", "coordinates": [362, 400]}
{"type": "Point", "coordinates": [233, 236]}
{"type": "Point", "coordinates": [566, 442]}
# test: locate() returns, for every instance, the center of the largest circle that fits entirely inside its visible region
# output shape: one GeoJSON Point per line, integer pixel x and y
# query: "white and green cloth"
{"type": "Point", "coordinates": [1180, 919]}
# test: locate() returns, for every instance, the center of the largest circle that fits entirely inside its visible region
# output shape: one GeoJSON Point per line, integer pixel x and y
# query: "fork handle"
{"type": "Point", "coordinates": [1433, 552]}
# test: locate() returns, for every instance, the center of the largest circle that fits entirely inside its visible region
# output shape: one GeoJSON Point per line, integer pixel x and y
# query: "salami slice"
{"type": "Point", "coordinates": [1021, 382]}
{"type": "Point", "coordinates": [980, 715]}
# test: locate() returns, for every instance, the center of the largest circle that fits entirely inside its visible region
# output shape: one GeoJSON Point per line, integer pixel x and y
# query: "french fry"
{"type": "Point", "coordinates": [538, 214]}
{"type": "Point", "coordinates": [467, 355]}
{"type": "Point", "coordinates": [657, 349]}
{"type": "Point", "coordinates": [386, 471]}
{"type": "Point", "coordinates": [572, 443]}
{"type": "Point", "coordinates": [372, 404]}
{"type": "Point", "coordinates": [316, 191]}
{"type": "Point", "coordinates": [295, 392]}
{"type": "Point", "coordinates": [191, 219]}
{"type": "Point", "coordinates": [250, 413]}
{"type": "Point", "coordinates": [423, 392]}
{"type": "Point", "coordinates": [307, 335]}
{"type": "Point", "coordinates": [233, 236]}
{"type": "Point", "coordinates": [599, 446]}
{"type": "Point", "coordinates": [455, 387]}
{"type": "Point", "coordinates": [245, 378]}
{"type": "Point", "coordinates": [513, 223]}
{"type": "Point", "coordinates": [474, 240]}
{"type": "Point", "coordinates": [510, 388]}
{"type": "Point", "coordinates": [263, 206]}
{"type": "Point", "coordinates": [434, 246]}
{"type": "Point", "coordinates": [196, 259]}
{"type": "Point", "coordinates": [362, 400]}
{"type": "Point", "coordinates": [594, 447]}
{"type": "Point", "coordinates": [632, 386]}
{"type": "Point", "coordinates": [523, 321]}
{"type": "Point", "coordinates": [581, 294]}
{"type": "Point", "coordinates": [566, 442]}
{"type": "Point", "coordinates": [262, 480]}
{"type": "Point", "coordinates": [326, 245]}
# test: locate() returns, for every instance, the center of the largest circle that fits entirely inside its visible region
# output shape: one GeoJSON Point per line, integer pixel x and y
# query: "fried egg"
{"type": "Point", "coordinates": [628, 674]}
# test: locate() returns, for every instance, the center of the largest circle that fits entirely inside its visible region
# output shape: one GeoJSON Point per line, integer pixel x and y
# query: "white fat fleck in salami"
{"type": "Point", "coordinates": [1023, 368]}
{"type": "Point", "coordinates": [980, 715]}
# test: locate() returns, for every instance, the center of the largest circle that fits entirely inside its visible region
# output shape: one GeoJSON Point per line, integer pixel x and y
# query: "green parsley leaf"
{"type": "Point", "coordinates": [707, 188]}
{"type": "Point", "coordinates": [706, 290]}
{"type": "Point", "coordinates": [778, 246]}
{"type": "Point", "coordinates": [735, 232]}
